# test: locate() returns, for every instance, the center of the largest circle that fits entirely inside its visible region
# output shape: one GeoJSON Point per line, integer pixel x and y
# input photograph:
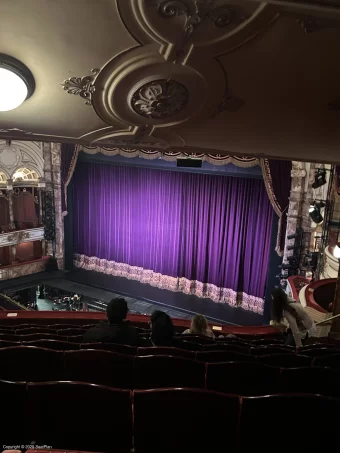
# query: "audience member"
{"type": "Point", "coordinates": [117, 329]}
{"type": "Point", "coordinates": [199, 326]}
{"type": "Point", "coordinates": [162, 329]}
{"type": "Point", "coordinates": [301, 325]}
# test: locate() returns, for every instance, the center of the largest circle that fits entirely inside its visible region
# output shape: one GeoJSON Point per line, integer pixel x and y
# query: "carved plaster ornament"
{"type": "Point", "coordinates": [82, 86]}
{"type": "Point", "coordinates": [197, 11]}
{"type": "Point", "coordinates": [160, 99]}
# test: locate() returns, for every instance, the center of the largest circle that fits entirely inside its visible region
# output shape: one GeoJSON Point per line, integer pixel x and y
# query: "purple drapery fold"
{"type": "Point", "coordinates": [278, 181]}
{"type": "Point", "coordinates": [69, 154]}
{"type": "Point", "coordinates": [208, 229]}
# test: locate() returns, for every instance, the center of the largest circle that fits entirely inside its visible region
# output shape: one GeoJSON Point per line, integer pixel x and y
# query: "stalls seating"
{"type": "Point", "coordinates": [168, 371]}
{"type": "Point", "coordinates": [242, 378]}
{"type": "Point", "coordinates": [332, 361]}
{"type": "Point", "coordinates": [29, 363]}
{"type": "Point", "coordinates": [222, 356]}
{"type": "Point", "coordinates": [285, 360]}
{"type": "Point", "coordinates": [185, 420]}
{"type": "Point", "coordinates": [316, 380]}
{"type": "Point", "coordinates": [100, 367]}
{"type": "Point", "coordinates": [285, 423]}
{"type": "Point", "coordinates": [114, 347]}
{"type": "Point", "coordinates": [79, 416]}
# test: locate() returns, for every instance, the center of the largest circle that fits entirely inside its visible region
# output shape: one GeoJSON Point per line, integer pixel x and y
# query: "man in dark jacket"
{"type": "Point", "coordinates": [116, 330]}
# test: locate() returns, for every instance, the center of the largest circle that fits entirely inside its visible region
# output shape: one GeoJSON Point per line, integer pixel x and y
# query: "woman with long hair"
{"type": "Point", "coordinates": [199, 326]}
{"type": "Point", "coordinates": [301, 325]}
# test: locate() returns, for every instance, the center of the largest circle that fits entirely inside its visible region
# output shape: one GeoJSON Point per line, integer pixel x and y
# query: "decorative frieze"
{"type": "Point", "coordinates": [16, 237]}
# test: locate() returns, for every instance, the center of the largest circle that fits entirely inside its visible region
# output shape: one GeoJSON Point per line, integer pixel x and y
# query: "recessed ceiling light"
{"type": "Point", "coordinates": [16, 83]}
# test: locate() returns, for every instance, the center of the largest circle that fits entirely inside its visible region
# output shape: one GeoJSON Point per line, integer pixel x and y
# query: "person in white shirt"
{"type": "Point", "coordinates": [301, 325]}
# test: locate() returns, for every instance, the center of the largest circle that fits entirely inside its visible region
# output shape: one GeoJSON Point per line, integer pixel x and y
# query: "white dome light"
{"type": "Point", "coordinates": [336, 251]}
{"type": "Point", "coordinates": [16, 83]}
{"type": "Point", "coordinates": [13, 90]}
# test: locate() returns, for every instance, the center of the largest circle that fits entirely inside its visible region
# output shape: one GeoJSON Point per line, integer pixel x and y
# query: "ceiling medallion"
{"type": "Point", "coordinates": [82, 86]}
{"type": "Point", "coordinates": [160, 99]}
{"type": "Point", "coordinates": [196, 11]}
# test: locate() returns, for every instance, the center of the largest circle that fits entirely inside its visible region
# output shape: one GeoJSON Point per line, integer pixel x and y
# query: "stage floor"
{"type": "Point", "coordinates": [163, 299]}
{"type": "Point", "coordinates": [141, 298]}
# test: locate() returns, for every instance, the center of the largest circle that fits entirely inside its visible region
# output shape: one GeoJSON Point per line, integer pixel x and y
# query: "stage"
{"type": "Point", "coordinates": [142, 298]}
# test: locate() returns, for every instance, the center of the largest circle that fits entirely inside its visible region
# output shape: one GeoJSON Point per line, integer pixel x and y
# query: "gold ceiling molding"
{"type": "Point", "coordinates": [198, 28]}
{"type": "Point", "coordinates": [215, 159]}
{"type": "Point", "coordinates": [81, 86]}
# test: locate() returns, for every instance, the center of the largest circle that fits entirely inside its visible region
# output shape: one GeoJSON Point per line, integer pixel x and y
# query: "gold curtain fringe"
{"type": "Point", "coordinates": [170, 156]}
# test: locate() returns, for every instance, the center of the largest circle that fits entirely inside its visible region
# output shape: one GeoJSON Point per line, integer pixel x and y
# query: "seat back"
{"type": "Point", "coordinates": [222, 356]}
{"type": "Point", "coordinates": [196, 339]}
{"type": "Point", "coordinates": [32, 330]}
{"type": "Point", "coordinates": [185, 420]}
{"type": "Point", "coordinates": [57, 345]}
{"type": "Point", "coordinates": [318, 352]}
{"type": "Point", "coordinates": [227, 347]}
{"type": "Point", "coordinates": [99, 367]}
{"type": "Point", "coordinates": [168, 371]}
{"type": "Point", "coordinates": [6, 344]}
{"type": "Point", "coordinates": [163, 350]}
{"type": "Point", "coordinates": [310, 380]}
{"type": "Point", "coordinates": [276, 412]}
{"type": "Point", "coordinates": [71, 332]}
{"type": "Point", "coordinates": [12, 397]}
{"type": "Point", "coordinates": [285, 360]}
{"type": "Point", "coordinates": [29, 363]}
{"type": "Point", "coordinates": [242, 378]}
{"type": "Point", "coordinates": [40, 336]}
{"type": "Point", "coordinates": [332, 361]}
{"type": "Point", "coordinates": [270, 349]}
{"type": "Point", "coordinates": [113, 347]}
{"type": "Point", "coordinates": [79, 416]}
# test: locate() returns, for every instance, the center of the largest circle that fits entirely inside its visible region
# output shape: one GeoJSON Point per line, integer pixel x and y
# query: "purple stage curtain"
{"type": "Point", "coordinates": [278, 181]}
{"type": "Point", "coordinates": [69, 156]}
{"type": "Point", "coordinates": [201, 234]}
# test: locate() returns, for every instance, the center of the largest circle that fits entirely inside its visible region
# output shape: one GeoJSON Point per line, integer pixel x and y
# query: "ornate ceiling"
{"type": "Point", "coordinates": [230, 77]}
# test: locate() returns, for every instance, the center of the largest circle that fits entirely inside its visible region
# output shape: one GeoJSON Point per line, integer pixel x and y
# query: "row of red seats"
{"type": "Point", "coordinates": [79, 416]}
{"type": "Point", "coordinates": [269, 357]}
{"type": "Point", "coordinates": [154, 371]}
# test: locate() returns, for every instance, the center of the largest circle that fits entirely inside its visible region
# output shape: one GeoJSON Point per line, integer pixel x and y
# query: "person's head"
{"type": "Point", "coordinates": [199, 324]}
{"type": "Point", "coordinates": [162, 328]}
{"type": "Point", "coordinates": [280, 303]}
{"type": "Point", "coordinates": [116, 310]}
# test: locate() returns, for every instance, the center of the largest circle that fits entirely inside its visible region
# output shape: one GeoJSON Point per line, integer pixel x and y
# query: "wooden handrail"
{"type": "Point", "coordinates": [9, 299]}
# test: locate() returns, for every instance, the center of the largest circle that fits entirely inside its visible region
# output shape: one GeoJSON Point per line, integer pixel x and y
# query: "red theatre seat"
{"type": "Point", "coordinates": [28, 363]}
{"type": "Point", "coordinates": [222, 356]}
{"type": "Point", "coordinates": [162, 350]}
{"type": "Point", "coordinates": [332, 361]}
{"type": "Point", "coordinates": [242, 378]}
{"type": "Point", "coordinates": [33, 330]}
{"type": "Point", "coordinates": [244, 349]}
{"type": "Point", "coordinates": [270, 349]}
{"type": "Point", "coordinates": [71, 332]}
{"type": "Point", "coordinates": [12, 396]}
{"type": "Point", "coordinates": [167, 371]}
{"type": "Point", "coordinates": [113, 347]}
{"type": "Point", "coordinates": [285, 360]}
{"type": "Point", "coordinates": [185, 421]}
{"type": "Point", "coordinates": [318, 352]}
{"type": "Point", "coordinates": [296, 423]}
{"type": "Point", "coordinates": [57, 345]}
{"type": "Point", "coordinates": [79, 416]}
{"type": "Point", "coordinates": [99, 367]}
{"type": "Point", "coordinates": [316, 380]}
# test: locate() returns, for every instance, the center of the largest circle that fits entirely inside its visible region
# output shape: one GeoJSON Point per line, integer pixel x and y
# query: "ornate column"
{"type": "Point", "coordinates": [59, 219]}
{"type": "Point", "coordinates": [41, 188]}
{"type": "Point", "coordinates": [296, 201]}
{"type": "Point", "coordinates": [10, 204]}
{"type": "Point", "coordinates": [48, 182]}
